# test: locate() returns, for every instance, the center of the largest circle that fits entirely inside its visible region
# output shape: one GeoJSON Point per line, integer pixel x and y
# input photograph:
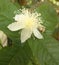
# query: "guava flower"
{"type": "Point", "coordinates": [28, 22]}
{"type": "Point", "coordinates": [3, 39]}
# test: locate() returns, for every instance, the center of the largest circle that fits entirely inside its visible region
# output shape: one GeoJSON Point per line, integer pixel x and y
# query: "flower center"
{"type": "Point", "coordinates": [29, 23]}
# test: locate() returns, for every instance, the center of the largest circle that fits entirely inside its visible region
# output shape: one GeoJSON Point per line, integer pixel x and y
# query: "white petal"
{"type": "Point", "coordinates": [4, 41]}
{"type": "Point", "coordinates": [3, 38]}
{"type": "Point", "coordinates": [4, 44]}
{"type": "Point", "coordinates": [16, 26]}
{"type": "Point", "coordinates": [25, 34]}
{"type": "Point", "coordinates": [18, 17]}
{"type": "Point", "coordinates": [37, 34]}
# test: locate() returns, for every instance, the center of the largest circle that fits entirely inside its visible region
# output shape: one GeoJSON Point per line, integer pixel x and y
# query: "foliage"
{"type": "Point", "coordinates": [32, 52]}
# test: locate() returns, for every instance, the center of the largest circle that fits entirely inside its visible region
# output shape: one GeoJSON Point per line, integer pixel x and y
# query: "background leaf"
{"type": "Point", "coordinates": [6, 16]}
{"type": "Point", "coordinates": [15, 55]}
{"type": "Point", "coordinates": [46, 50]}
{"type": "Point", "coordinates": [49, 16]}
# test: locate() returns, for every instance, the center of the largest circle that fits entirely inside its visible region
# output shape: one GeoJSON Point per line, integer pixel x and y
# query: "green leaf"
{"type": "Point", "coordinates": [6, 17]}
{"type": "Point", "coordinates": [47, 49]}
{"type": "Point", "coordinates": [49, 16]}
{"type": "Point", "coordinates": [15, 55]}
